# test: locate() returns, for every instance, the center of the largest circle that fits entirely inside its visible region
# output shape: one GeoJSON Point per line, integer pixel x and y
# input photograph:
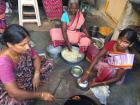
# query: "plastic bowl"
{"type": "Point", "coordinates": [76, 71]}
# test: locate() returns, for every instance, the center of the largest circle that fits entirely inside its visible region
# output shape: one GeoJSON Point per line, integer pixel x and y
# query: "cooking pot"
{"type": "Point", "coordinates": [54, 52]}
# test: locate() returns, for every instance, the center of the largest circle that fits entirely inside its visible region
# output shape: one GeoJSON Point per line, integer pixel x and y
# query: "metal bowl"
{"type": "Point", "coordinates": [76, 71]}
{"type": "Point", "coordinates": [82, 85]}
{"type": "Point", "coordinates": [98, 42]}
{"type": "Point", "coordinates": [72, 56]}
{"type": "Point", "coordinates": [54, 52]}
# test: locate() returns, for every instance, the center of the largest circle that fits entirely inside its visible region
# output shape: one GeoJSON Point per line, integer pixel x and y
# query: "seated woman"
{"type": "Point", "coordinates": [18, 77]}
{"type": "Point", "coordinates": [108, 72]}
{"type": "Point", "coordinates": [72, 22]}
{"type": "Point", "coordinates": [30, 63]}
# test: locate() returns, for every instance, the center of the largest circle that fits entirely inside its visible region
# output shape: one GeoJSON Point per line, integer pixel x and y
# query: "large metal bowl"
{"type": "Point", "coordinates": [72, 56]}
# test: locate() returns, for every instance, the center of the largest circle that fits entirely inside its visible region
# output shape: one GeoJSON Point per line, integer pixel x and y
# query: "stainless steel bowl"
{"type": "Point", "coordinates": [76, 71]}
{"type": "Point", "coordinates": [54, 52]}
{"type": "Point", "coordinates": [72, 56]}
{"type": "Point", "coordinates": [82, 85]}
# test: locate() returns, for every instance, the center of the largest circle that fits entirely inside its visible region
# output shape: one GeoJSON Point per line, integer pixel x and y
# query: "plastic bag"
{"type": "Point", "coordinates": [101, 92]}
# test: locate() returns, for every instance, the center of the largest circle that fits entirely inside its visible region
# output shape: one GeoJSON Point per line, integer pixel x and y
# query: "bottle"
{"type": "Point", "coordinates": [95, 31]}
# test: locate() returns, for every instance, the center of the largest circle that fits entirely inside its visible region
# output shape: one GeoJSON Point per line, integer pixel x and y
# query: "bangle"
{"type": "Point", "coordinates": [87, 72]}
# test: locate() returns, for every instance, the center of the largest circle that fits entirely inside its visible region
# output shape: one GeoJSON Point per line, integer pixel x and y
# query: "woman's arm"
{"type": "Point", "coordinates": [120, 73]}
{"type": "Point", "coordinates": [84, 29]}
{"type": "Point", "coordinates": [15, 92]}
{"type": "Point", "coordinates": [64, 32]}
{"type": "Point", "coordinates": [37, 63]}
{"type": "Point", "coordinates": [96, 59]}
{"type": "Point", "coordinates": [36, 78]}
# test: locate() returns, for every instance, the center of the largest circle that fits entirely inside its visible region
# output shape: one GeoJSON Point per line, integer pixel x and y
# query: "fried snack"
{"type": "Point", "coordinates": [76, 98]}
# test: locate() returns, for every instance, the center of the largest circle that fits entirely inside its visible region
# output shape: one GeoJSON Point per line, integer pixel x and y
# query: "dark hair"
{"type": "Point", "coordinates": [14, 34]}
{"type": "Point", "coordinates": [130, 34]}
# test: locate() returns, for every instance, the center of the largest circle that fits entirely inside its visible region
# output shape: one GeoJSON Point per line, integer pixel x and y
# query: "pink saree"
{"type": "Point", "coordinates": [74, 36]}
{"type": "Point", "coordinates": [107, 71]}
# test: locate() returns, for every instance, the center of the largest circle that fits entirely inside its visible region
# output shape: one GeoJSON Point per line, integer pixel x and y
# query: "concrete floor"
{"type": "Point", "coordinates": [63, 85]}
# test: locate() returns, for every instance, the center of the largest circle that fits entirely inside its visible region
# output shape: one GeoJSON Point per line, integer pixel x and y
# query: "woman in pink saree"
{"type": "Point", "coordinates": [73, 22]}
{"type": "Point", "coordinates": [111, 63]}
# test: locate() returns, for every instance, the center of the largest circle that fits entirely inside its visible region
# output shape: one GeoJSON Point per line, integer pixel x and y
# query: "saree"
{"type": "Point", "coordinates": [106, 70]}
{"type": "Point", "coordinates": [24, 72]}
{"type": "Point", "coordinates": [75, 37]}
{"type": "Point", "coordinates": [53, 8]}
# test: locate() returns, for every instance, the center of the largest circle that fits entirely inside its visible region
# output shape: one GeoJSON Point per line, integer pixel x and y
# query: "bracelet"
{"type": "Point", "coordinates": [87, 72]}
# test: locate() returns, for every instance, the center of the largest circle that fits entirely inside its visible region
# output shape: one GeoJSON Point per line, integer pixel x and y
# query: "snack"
{"type": "Point", "coordinates": [72, 56]}
{"type": "Point", "coordinates": [76, 98]}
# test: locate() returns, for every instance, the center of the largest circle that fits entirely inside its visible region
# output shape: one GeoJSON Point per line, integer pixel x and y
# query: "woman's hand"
{"type": "Point", "coordinates": [36, 80]}
{"type": "Point", "coordinates": [47, 96]}
{"type": "Point", "coordinates": [69, 46]}
{"type": "Point", "coordinates": [85, 76]}
{"type": "Point", "coordinates": [93, 83]}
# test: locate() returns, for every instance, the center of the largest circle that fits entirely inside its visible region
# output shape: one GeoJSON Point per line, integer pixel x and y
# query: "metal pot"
{"type": "Point", "coordinates": [54, 52]}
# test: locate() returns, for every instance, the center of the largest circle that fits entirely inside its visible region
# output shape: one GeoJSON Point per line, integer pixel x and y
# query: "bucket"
{"type": "Point", "coordinates": [54, 52]}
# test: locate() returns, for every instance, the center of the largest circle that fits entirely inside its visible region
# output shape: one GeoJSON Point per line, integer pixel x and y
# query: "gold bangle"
{"type": "Point", "coordinates": [87, 72]}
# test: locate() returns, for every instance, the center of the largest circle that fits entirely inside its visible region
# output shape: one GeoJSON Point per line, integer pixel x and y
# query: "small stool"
{"type": "Point", "coordinates": [34, 4]}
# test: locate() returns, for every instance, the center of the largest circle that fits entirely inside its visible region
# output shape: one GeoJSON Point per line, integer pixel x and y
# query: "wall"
{"type": "Point", "coordinates": [129, 17]}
